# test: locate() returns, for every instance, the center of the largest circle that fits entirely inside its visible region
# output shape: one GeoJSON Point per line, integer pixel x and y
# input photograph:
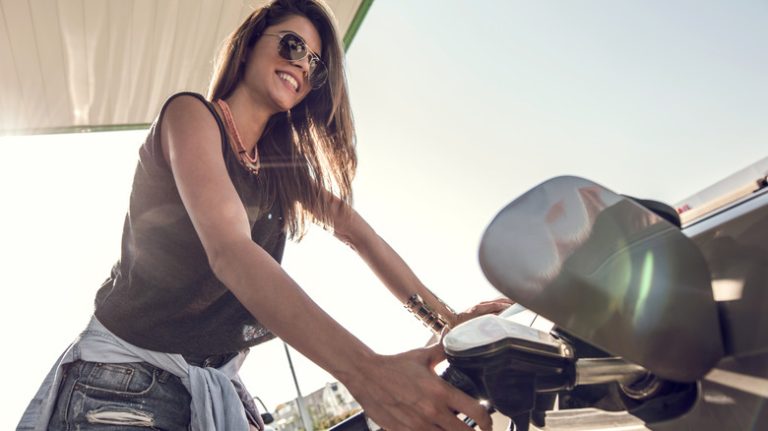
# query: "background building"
{"type": "Point", "coordinates": [327, 406]}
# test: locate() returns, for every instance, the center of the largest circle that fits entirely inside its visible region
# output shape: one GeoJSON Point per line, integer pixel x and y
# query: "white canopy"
{"type": "Point", "coordinates": [76, 65]}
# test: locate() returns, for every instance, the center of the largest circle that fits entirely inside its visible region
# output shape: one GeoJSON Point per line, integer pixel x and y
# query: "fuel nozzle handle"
{"type": "Point", "coordinates": [592, 371]}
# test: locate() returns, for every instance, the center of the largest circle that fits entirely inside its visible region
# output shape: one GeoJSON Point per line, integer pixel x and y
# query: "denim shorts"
{"type": "Point", "coordinates": [127, 396]}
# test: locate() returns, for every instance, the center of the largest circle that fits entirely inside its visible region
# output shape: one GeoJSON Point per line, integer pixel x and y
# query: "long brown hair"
{"type": "Point", "coordinates": [311, 147]}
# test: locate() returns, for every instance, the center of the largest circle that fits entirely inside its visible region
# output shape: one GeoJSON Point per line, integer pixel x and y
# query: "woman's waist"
{"type": "Point", "coordinates": [206, 360]}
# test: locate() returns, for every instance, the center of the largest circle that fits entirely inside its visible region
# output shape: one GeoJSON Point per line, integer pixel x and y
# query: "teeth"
{"type": "Point", "coordinates": [289, 79]}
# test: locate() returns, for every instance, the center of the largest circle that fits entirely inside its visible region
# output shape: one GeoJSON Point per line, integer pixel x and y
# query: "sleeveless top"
{"type": "Point", "coordinates": [162, 294]}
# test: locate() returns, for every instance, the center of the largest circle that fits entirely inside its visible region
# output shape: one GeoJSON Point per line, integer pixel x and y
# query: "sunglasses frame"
{"type": "Point", "coordinates": [319, 63]}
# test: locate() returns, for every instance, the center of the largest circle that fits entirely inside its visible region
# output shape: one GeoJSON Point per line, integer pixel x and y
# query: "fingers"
{"type": "Point", "coordinates": [501, 303]}
{"type": "Point", "coordinates": [492, 307]}
{"type": "Point", "coordinates": [487, 307]}
{"type": "Point", "coordinates": [446, 402]}
{"type": "Point", "coordinates": [427, 416]}
{"type": "Point", "coordinates": [403, 393]}
{"type": "Point", "coordinates": [504, 300]}
{"type": "Point", "coordinates": [461, 402]}
{"type": "Point", "coordinates": [434, 354]}
{"type": "Point", "coordinates": [451, 422]}
{"type": "Point", "coordinates": [483, 308]}
{"type": "Point", "coordinates": [441, 402]}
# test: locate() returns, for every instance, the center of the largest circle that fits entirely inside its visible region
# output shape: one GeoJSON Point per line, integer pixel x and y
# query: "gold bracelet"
{"type": "Point", "coordinates": [429, 318]}
{"type": "Point", "coordinates": [447, 307]}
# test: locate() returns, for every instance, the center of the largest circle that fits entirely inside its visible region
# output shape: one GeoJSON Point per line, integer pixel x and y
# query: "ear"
{"type": "Point", "coordinates": [247, 50]}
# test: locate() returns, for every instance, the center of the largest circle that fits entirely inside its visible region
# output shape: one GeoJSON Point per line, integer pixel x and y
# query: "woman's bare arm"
{"type": "Point", "coordinates": [399, 392]}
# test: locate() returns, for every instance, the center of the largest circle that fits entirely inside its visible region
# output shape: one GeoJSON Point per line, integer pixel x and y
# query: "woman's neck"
{"type": "Point", "coordinates": [250, 117]}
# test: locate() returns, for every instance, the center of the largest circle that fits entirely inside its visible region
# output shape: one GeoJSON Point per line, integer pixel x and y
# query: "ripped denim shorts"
{"type": "Point", "coordinates": [120, 397]}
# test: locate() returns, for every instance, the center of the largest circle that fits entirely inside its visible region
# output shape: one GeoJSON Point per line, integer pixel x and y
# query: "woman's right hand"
{"type": "Point", "coordinates": [402, 392]}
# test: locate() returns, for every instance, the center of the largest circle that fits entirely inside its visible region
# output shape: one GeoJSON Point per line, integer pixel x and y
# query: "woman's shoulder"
{"type": "Point", "coordinates": [186, 94]}
{"type": "Point", "coordinates": [186, 100]}
{"type": "Point", "coordinates": [190, 110]}
{"type": "Point", "coordinates": [188, 118]}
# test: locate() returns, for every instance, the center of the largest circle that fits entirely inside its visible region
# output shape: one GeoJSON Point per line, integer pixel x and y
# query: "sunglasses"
{"type": "Point", "coordinates": [293, 48]}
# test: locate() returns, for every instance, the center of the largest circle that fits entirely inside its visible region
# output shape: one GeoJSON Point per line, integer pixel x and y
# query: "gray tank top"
{"type": "Point", "coordinates": [162, 294]}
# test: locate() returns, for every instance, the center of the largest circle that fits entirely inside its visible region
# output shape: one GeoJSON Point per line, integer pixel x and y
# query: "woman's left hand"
{"type": "Point", "coordinates": [494, 306]}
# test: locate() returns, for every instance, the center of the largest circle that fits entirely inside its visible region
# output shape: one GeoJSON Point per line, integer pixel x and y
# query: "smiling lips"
{"type": "Point", "coordinates": [289, 79]}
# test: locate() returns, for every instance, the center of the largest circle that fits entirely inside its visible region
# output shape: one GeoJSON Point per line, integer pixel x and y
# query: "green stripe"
{"type": "Point", "coordinates": [357, 21]}
{"type": "Point", "coordinates": [75, 129]}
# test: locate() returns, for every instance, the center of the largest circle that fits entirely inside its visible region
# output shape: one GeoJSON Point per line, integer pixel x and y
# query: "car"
{"type": "Point", "coordinates": [631, 314]}
{"type": "Point", "coordinates": [658, 317]}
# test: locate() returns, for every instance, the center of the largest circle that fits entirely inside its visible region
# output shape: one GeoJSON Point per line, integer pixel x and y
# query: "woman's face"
{"type": "Point", "coordinates": [278, 82]}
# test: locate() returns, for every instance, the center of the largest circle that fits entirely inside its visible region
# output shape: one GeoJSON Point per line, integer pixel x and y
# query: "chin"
{"type": "Point", "coordinates": [283, 103]}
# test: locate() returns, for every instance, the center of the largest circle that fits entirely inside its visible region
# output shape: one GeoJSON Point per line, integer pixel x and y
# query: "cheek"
{"type": "Point", "coordinates": [256, 66]}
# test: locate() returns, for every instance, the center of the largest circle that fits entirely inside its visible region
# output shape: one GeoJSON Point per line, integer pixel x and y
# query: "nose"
{"type": "Point", "coordinates": [303, 64]}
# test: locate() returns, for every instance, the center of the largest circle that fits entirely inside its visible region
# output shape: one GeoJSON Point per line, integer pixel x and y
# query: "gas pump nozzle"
{"type": "Point", "coordinates": [513, 366]}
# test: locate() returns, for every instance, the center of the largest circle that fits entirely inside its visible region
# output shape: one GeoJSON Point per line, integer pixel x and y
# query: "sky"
{"type": "Point", "coordinates": [460, 107]}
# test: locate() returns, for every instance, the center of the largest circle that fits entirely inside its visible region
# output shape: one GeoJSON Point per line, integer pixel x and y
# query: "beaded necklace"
{"type": "Point", "coordinates": [249, 162]}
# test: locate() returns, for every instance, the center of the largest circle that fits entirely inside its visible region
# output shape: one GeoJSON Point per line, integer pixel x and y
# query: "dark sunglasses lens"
{"type": "Point", "coordinates": [292, 47]}
{"type": "Point", "coordinates": [318, 75]}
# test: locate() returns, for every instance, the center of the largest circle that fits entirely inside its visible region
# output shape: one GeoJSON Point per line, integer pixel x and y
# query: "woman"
{"type": "Point", "coordinates": [219, 186]}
